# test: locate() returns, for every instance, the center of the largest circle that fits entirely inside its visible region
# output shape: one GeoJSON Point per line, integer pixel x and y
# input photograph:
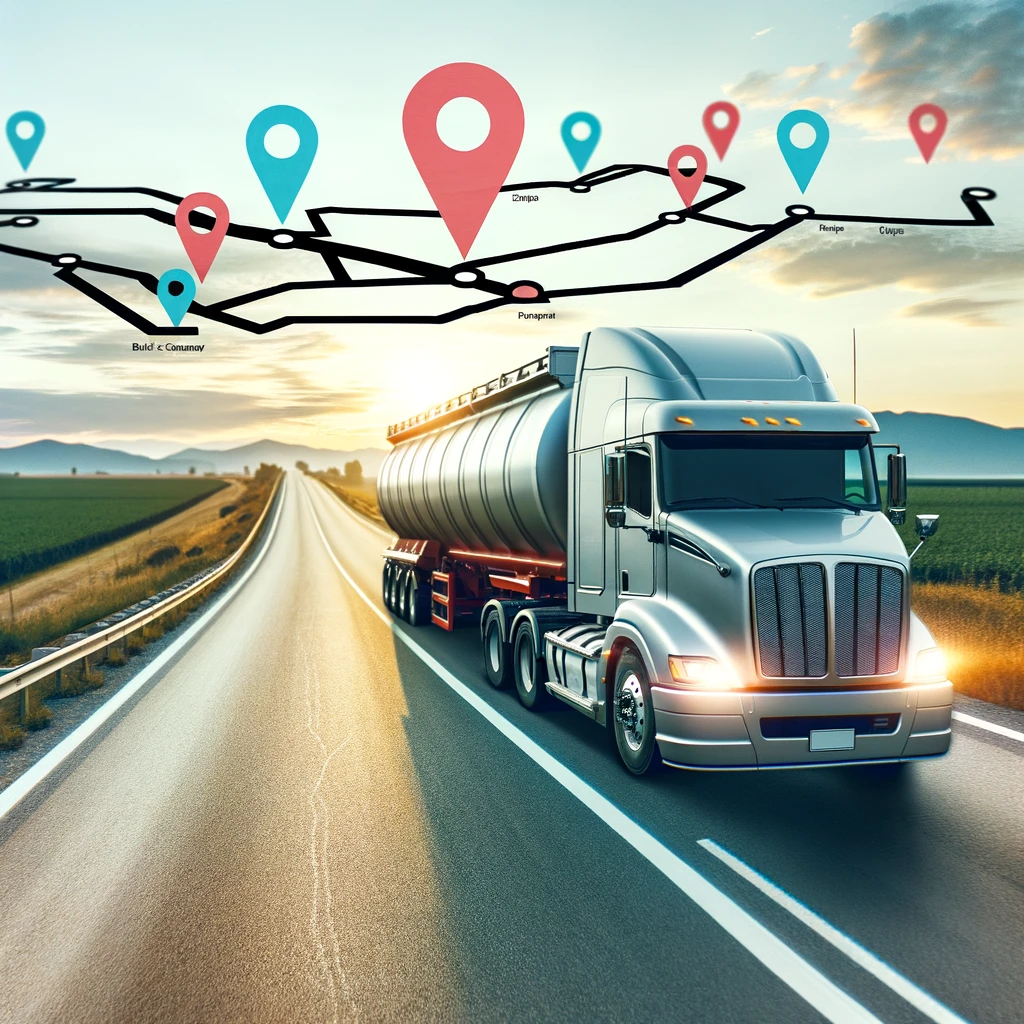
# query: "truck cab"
{"type": "Point", "coordinates": [729, 529]}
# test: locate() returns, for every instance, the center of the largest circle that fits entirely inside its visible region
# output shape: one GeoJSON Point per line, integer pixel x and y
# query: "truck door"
{"type": "Point", "coordinates": [635, 551]}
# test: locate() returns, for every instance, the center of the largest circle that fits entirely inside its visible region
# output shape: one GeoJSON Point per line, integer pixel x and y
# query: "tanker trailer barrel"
{"type": "Point", "coordinates": [491, 481]}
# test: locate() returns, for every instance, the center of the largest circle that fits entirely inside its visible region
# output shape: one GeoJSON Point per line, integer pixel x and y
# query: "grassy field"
{"type": "Point", "coordinates": [95, 595]}
{"type": "Point", "coordinates": [199, 541]}
{"type": "Point", "coordinates": [45, 520]}
{"type": "Point", "coordinates": [980, 540]}
{"type": "Point", "coordinates": [979, 631]}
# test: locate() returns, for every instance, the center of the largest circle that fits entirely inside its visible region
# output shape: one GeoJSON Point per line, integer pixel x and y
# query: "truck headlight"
{"type": "Point", "coordinates": [707, 672]}
{"type": "Point", "coordinates": [929, 666]}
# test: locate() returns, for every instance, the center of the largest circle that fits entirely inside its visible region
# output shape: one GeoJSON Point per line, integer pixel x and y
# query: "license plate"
{"type": "Point", "coordinates": [832, 739]}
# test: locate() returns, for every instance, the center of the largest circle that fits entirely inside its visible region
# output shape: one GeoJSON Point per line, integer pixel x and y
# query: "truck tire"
{"type": "Point", "coordinates": [389, 571]}
{"type": "Point", "coordinates": [633, 715]}
{"type": "Point", "coordinates": [417, 602]}
{"type": "Point", "coordinates": [399, 591]}
{"type": "Point", "coordinates": [497, 652]}
{"type": "Point", "coordinates": [396, 575]}
{"type": "Point", "coordinates": [528, 670]}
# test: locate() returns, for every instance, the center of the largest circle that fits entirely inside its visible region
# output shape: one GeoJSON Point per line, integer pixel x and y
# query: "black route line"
{"type": "Point", "coordinates": [469, 275]}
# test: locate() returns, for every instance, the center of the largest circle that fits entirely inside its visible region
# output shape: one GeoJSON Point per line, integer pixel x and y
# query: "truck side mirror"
{"type": "Point", "coordinates": [926, 525]}
{"type": "Point", "coordinates": [896, 489]}
{"type": "Point", "coordinates": [615, 489]}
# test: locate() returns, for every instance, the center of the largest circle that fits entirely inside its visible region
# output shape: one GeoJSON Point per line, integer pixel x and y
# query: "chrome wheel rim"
{"type": "Point", "coordinates": [494, 648]}
{"type": "Point", "coordinates": [631, 711]}
{"type": "Point", "coordinates": [526, 665]}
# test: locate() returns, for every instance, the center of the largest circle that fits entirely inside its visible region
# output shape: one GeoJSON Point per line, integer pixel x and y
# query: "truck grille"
{"type": "Point", "coordinates": [868, 614]}
{"type": "Point", "coordinates": [789, 608]}
{"type": "Point", "coordinates": [790, 614]}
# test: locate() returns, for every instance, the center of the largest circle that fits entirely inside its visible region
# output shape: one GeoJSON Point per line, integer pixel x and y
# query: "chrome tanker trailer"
{"type": "Point", "coordinates": [680, 534]}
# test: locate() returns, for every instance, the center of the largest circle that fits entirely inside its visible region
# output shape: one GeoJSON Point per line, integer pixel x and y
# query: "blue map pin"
{"type": "Point", "coordinates": [25, 149]}
{"type": "Point", "coordinates": [803, 163]}
{"type": "Point", "coordinates": [176, 290]}
{"type": "Point", "coordinates": [581, 150]}
{"type": "Point", "coordinates": [281, 177]}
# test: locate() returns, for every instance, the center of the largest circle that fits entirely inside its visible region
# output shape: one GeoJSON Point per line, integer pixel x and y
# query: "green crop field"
{"type": "Point", "coordinates": [980, 540]}
{"type": "Point", "coordinates": [47, 520]}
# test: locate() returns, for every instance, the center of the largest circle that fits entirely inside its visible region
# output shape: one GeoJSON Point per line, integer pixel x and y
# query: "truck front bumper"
{"type": "Point", "coordinates": [741, 730]}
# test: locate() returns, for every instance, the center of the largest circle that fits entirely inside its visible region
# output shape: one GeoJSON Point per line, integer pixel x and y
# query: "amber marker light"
{"type": "Point", "coordinates": [864, 423]}
{"type": "Point", "coordinates": [771, 420]}
{"type": "Point", "coordinates": [795, 422]}
{"type": "Point", "coordinates": [749, 420]}
{"type": "Point", "coordinates": [684, 419]}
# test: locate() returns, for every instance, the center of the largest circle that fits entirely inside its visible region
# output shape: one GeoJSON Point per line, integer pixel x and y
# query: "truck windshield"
{"type": "Point", "coordinates": [767, 471]}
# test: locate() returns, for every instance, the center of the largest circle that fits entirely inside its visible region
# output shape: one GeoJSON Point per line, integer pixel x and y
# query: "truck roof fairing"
{"type": "Point", "coordinates": [711, 364]}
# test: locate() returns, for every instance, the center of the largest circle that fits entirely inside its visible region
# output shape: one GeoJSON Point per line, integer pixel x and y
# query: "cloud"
{"type": "Point", "coordinates": [970, 312]}
{"type": "Point", "coordinates": [932, 262]}
{"type": "Point", "coordinates": [146, 411]}
{"type": "Point", "coordinates": [766, 90]}
{"type": "Point", "coordinates": [763, 32]}
{"type": "Point", "coordinates": [967, 58]}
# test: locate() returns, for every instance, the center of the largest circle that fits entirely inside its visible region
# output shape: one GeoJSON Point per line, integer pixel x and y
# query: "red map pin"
{"type": "Point", "coordinates": [721, 137]}
{"type": "Point", "coordinates": [928, 141]}
{"type": "Point", "coordinates": [687, 185]}
{"type": "Point", "coordinates": [463, 184]}
{"type": "Point", "coordinates": [202, 249]}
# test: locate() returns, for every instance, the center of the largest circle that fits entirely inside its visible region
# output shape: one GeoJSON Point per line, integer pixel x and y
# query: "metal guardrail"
{"type": "Point", "coordinates": [36, 671]}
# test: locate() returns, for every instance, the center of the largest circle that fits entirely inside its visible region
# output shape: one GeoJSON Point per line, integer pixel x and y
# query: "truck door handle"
{"type": "Point", "coordinates": [625, 580]}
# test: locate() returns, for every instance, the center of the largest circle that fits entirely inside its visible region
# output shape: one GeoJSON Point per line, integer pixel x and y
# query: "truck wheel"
{"type": "Point", "coordinates": [497, 656]}
{"type": "Point", "coordinates": [529, 671]}
{"type": "Point", "coordinates": [386, 584]}
{"type": "Point", "coordinates": [399, 591]}
{"type": "Point", "coordinates": [417, 602]}
{"type": "Point", "coordinates": [393, 580]}
{"type": "Point", "coordinates": [633, 720]}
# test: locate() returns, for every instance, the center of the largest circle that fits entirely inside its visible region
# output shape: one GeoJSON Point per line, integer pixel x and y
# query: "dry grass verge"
{"type": "Point", "coordinates": [96, 594]}
{"type": "Point", "coordinates": [81, 677]}
{"type": "Point", "coordinates": [981, 632]}
{"type": "Point", "coordinates": [360, 497]}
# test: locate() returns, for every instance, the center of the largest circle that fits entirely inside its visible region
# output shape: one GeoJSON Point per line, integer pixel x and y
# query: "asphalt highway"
{"type": "Point", "coordinates": [314, 814]}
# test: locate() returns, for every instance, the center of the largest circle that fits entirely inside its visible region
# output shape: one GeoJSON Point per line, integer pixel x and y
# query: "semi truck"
{"type": "Point", "coordinates": [681, 534]}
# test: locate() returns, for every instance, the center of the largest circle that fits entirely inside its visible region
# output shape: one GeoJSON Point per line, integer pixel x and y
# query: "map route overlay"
{"type": "Point", "coordinates": [471, 275]}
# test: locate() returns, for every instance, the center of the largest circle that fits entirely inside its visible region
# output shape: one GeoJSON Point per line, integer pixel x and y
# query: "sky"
{"type": "Point", "coordinates": [143, 95]}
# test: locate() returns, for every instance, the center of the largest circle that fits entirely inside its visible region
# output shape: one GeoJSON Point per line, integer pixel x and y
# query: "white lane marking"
{"type": "Point", "coordinates": [917, 997]}
{"type": "Point", "coordinates": [786, 964]}
{"type": "Point", "coordinates": [980, 723]}
{"type": "Point", "coordinates": [24, 784]}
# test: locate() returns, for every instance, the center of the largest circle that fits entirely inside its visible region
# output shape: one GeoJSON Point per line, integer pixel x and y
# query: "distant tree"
{"type": "Point", "coordinates": [354, 473]}
{"type": "Point", "coordinates": [304, 466]}
{"type": "Point", "coordinates": [246, 470]}
{"type": "Point", "coordinates": [191, 470]}
{"type": "Point", "coordinates": [74, 471]}
{"type": "Point", "coordinates": [333, 471]}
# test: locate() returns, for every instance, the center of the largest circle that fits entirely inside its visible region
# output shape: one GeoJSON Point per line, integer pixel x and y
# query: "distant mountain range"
{"type": "Point", "coordinates": [55, 457]}
{"type": "Point", "coordinates": [953, 446]}
{"type": "Point", "coordinates": [936, 446]}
